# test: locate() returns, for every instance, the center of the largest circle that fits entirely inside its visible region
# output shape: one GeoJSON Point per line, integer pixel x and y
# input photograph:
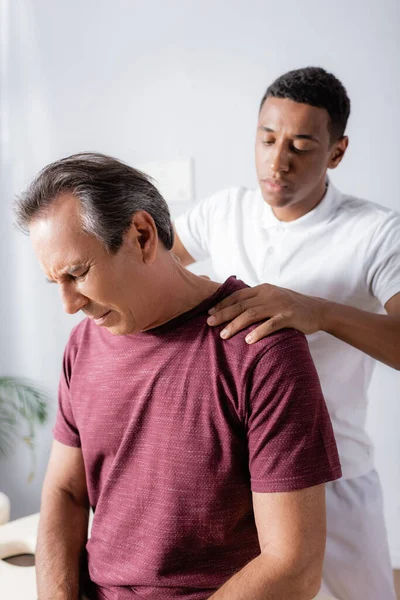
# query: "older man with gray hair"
{"type": "Point", "coordinates": [203, 460]}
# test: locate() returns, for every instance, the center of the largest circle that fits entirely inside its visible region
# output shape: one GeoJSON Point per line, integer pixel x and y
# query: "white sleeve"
{"type": "Point", "coordinates": [383, 259]}
{"type": "Point", "coordinates": [195, 226]}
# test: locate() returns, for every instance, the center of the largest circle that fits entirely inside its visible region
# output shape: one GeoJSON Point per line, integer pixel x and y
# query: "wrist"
{"type": "Point", "coordinates": [326, 314]}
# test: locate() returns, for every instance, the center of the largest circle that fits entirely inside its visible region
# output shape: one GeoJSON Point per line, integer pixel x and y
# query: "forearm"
{"type": "Point", "coordinates": [265, 578]}
{"type": "Point", "coordinates": [61, 541]}
{"type": "Point", "coordinates": [376, 335]}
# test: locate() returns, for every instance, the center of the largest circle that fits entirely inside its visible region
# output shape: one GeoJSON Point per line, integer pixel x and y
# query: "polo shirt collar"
{"type": "Point", "coordinates": [323, 212]}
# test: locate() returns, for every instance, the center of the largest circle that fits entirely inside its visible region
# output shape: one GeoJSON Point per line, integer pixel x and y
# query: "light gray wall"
{"type": "Point", "coordinates": [148, 80]}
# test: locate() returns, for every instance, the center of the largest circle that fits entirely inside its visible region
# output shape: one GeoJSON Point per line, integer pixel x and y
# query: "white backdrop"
{"type": "Point", "coordinates": [157, 80]}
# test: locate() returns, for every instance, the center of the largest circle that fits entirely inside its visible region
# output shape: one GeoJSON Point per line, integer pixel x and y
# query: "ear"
{"type": "Point", "coordinates": [142, 236]}
{"type": "Point", "coordinates": [338, 151]}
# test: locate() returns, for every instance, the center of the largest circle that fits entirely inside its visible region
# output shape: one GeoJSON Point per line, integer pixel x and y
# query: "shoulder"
{"type": "Point", "coordinates": [278, 341]}
{"type": "Point", "coordinates": [377, 225]}
{"type": "Point", "coordinates": [283, 350]}
{"type": "Point", "coordinates": [366, 212]}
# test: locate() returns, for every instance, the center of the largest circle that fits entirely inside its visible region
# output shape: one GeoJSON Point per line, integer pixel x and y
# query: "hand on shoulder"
{"type": "Point", "coordinates": [277, 307]}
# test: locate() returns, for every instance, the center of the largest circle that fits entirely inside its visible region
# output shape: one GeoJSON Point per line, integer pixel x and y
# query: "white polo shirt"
{"type": "Point", "coordinates": [346, 250]}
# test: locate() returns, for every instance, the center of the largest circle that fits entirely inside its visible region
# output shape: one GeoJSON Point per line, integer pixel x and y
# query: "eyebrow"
{"type": "Point", "coordinates": [298, 136]}
{"type": "Point", "coordinates": [68, 271]}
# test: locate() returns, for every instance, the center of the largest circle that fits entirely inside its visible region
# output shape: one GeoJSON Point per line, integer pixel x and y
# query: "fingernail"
{"type": "Point", "coordinates": [211, 311]}
{"type": "Point", "coordinates": [249, 338]}
{"type": "Point", "coordinates": [224, 333]}
{"type": "Point", "coordinates": [211, 320]}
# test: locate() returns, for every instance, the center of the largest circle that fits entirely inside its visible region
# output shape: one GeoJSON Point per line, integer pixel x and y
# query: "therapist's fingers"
{"type": "Point", "coordinates": [245, 319]}
{"type": "Point", "coordinates": [243, 309]}
{"type": "Point", "coordinates": [274, 324]}
{"type": "Point", "coordinates": [235, 298]}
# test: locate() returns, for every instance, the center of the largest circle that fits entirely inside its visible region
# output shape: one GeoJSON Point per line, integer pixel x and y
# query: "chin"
{"type": "Point", "coordinates": [115, 330]}
{"type": "Point", "coordinates": [119, 330]}
{"type": "Point", "coordinates": [123, 329]}
{"type": "Point", "coordinates": [277, 200]}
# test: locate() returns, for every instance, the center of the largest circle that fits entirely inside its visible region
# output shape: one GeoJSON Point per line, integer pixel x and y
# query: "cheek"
{"type": "Point", "coordinates": [97, 292]}
{"type": "Point", "coordinates": [310, 167]}
{"type": "Point", "coordinates": [102, 289]}
{"type": "Point", "coordinates": [260, 156]}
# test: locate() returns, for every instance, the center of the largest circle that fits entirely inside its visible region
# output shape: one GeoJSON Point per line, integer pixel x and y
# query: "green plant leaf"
{"type": "Point", "coordinates": [21, 401]}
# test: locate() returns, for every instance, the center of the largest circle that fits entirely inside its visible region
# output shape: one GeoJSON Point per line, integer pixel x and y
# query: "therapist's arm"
{"type": "Point", "coordinates": [291, 529]}
{"type": "Point", "coordinates": [63, 525]}
{"type": "Point", "coordinates": [376, 335]}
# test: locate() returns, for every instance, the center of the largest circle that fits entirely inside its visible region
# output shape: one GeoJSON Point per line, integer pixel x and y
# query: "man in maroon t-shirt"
{"type": "Point", "coordinates": [203, 461]}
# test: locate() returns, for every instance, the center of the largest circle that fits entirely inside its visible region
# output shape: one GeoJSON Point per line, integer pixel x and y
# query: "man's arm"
{"type": "Point", "coordinates": [376, 335]}
{"type": "Point", "coordinates": [180, 251]}
{"type": "Point", "coordinates": [63, 525]}
{"type": "Point", "coordinates": [291, 529]}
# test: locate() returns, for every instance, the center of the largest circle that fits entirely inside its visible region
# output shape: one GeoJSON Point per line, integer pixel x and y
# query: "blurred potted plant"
{"type": "Point", "coordinates": [21, 401]}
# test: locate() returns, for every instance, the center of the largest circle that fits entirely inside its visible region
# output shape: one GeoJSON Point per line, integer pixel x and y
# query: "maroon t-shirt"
{"type": "Point", "coordinates": [177, 428]}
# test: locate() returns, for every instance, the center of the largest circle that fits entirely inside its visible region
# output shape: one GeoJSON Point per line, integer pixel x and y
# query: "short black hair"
{"type": "Point", "coordinates": [316, 87]}
{"type": "Point", "coordinates": [109, 192]}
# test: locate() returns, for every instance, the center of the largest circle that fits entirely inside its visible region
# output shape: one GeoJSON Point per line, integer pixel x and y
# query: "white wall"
{"type": "Point", "coordinates": [148, 80]}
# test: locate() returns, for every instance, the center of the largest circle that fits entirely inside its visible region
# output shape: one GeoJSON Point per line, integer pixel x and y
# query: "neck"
{"type": "Point", "coordinates": [176, 291]}
{"type": "Point", "coordinates": [302, 207]}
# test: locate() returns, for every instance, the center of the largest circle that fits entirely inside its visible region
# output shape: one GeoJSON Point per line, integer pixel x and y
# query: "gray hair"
{"type": "Point", "coordinates": [110, 193]}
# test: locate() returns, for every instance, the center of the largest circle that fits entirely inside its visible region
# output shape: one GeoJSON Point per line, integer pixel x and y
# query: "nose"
{"type": "Point", "coordinates": [279, 159]}
{"type": "Point", "coordinates": [73, 301]}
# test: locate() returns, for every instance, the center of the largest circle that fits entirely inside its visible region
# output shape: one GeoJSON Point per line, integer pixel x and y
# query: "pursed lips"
{"type": "Point", "coordinates": [277, 184]}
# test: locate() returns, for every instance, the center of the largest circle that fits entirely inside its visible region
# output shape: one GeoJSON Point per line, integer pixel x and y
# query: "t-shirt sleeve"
{"type": "Point", "coordinates": [194, 227]}
{"type": "Point", "coordinates": [383, 259]}
{"type": "Point", "coordinates": [290, 437]}
{"type": "Point", "coordinates": [65, 430]}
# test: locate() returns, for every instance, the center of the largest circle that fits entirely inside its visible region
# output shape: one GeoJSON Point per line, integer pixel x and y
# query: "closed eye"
{"type": "Point", "coordinates": [71, 277]}
{"type": "Point", "coordinates": [80, 277]}
{"type": "Point", "coordinates": [300, 150]}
